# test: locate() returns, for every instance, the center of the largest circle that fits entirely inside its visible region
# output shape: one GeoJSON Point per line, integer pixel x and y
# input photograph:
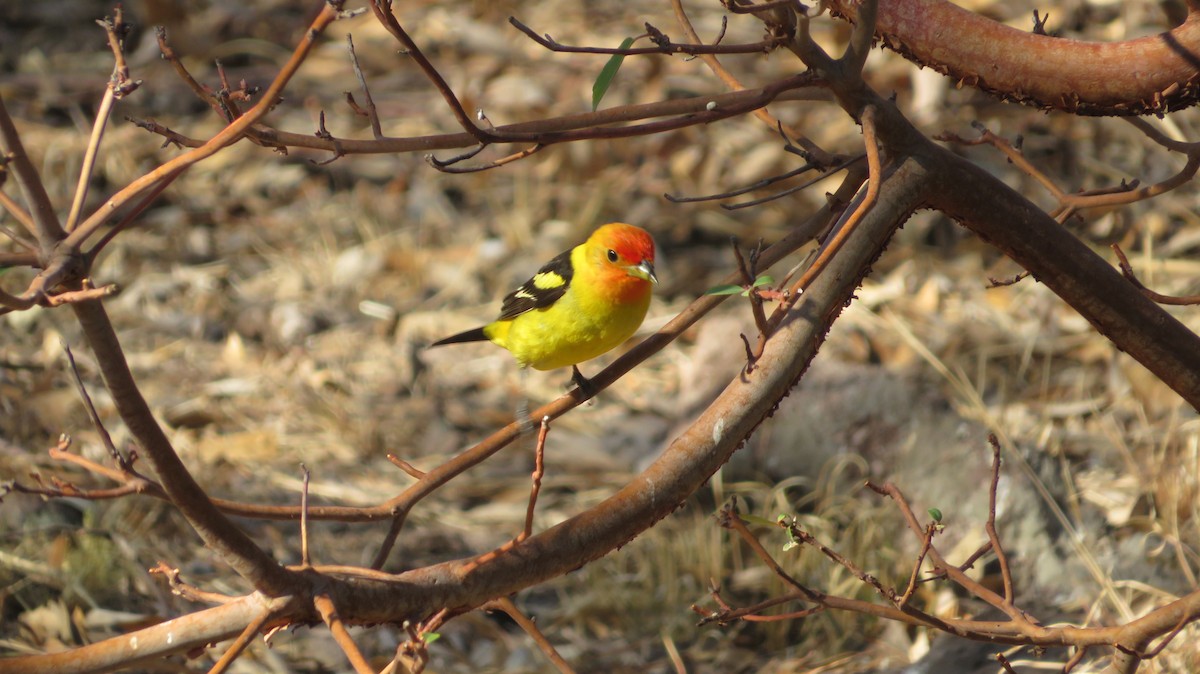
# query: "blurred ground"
{"type": "Point", "coordinates": [274, 311]}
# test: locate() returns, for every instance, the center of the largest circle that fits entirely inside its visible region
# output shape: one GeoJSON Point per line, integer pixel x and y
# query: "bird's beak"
{"type": "Point", "coordinates": [643, 270]}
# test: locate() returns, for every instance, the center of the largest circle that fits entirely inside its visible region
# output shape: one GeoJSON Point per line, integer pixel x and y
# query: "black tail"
{"type": "Point", "coordinates": [475, 335]}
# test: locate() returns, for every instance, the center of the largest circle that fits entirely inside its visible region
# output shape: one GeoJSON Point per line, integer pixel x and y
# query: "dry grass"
{"type": "Point", "coordinates": [274, 312]}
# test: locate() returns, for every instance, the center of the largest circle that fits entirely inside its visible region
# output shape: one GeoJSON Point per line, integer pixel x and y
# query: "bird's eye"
{"type": "Point", "coordinates": [612, 255]}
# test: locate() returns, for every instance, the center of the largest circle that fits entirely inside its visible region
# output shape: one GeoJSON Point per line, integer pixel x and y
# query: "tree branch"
{"type": "Point", "coordinates": [1149, 75]}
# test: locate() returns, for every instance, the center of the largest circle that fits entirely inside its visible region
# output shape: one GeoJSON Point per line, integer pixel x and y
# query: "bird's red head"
{"type": "Point", "coordinates": [629, 245]}
{"type": "Point", "coordinates": [624, 257]}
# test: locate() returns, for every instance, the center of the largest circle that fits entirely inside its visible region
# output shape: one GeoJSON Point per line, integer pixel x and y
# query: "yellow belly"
{"type": "Point", "coordinates": [565, 333]}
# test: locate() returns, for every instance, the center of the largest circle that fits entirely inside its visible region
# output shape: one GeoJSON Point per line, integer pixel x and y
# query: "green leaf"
{"type": "Point", "coordinates": [724, 290]}
{"type": "Point", "coordinates": [761, 521]}
{"type": "Point", "coordinates": [935, 514]}
{"type": "Point", "coordinates": [789, 545]}
{"type": "Point", "coordinates": [763, 280]}
{"type": "Point", "coordinates": [431, 637]}
{"type": "Point", "coordinates": [607, 73]}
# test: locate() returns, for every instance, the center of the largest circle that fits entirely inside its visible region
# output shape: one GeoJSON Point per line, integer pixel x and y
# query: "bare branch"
{"type": "Point", "coordinates": [370, 112]}
{"type": "Point", "coordinates": [661, 46]}
{"type": "Point", "coordinates": [46, 227]}
{"type": "Point", "coordinates": [510, 609]}
{"type": "Point", "coordinates": [330, 615]}
{"type": "Point", "coordinates": [1087, 78]}
{"type": "Point", "coordinates": [1127, 270]}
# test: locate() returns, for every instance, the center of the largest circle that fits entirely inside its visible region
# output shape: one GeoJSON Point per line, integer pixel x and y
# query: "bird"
{"type": "Point", "coordinates": [582, 303]}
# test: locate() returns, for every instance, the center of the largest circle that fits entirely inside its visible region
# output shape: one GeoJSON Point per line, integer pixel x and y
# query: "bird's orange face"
{"type": "Point", "coordinates": [626, 259]}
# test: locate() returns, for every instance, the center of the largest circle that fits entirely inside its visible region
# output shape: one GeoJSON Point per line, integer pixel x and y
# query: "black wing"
{"type": "Point", "coordinates": [541, 290]}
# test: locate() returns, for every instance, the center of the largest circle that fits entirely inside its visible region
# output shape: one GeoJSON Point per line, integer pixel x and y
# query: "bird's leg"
{"type": "Point", "coordinates": [522, 395]}
{"type": "Point", "coordinates": [584, 384]}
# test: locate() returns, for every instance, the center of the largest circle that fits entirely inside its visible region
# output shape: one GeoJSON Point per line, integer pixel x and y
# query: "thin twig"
{"type": "Point", "coordinates": [371, 113]}
{"type": "Point", "coordinates": [664, 46]}
{"type": "Point", "coordinates": [539, 470]}
{"type": "Point", "coordinates": [341, 635]}
{"type": "Point", "coordinates": [797, 533]}
{"type": "Point", "coordinates": [817, 154]}
{"type": "Point", "coordinates": [1014, 156]}
{"type": "Point", "coordinates": [305, 561]}
{"type": "Point", "coordinates": [190, 592]}
{"type": "Point", "coordinates": [241, 643]}
{"type": "Point", "coordinates": [843, 165]}
{"type": "Point", "coordinates": [46, 228]}
{"type": "Point", "coordinates": [132, 215]}
{"type": "Point", "coordinates": [89, 158]}
{"type": "Point", "coordinates": [383, 12]}
{"type": "Point", "coordinates": [510, 609]}
{"type": "Point", "coordinates": [952, 572]}
{"type": "Point", "coordinates": [202, 92]}
{"type": "Point", "coordinates": [1127, 271]}
{"type": "Point", "coordinates": [765, 182]}
{"type": "Point", "coordinates": [756, 305]}
{"type": "Point", "coordinates": [448, 165]}
{"type": "Point", "coordinates": [730, 519]}
{"type": "Point", "coordinates": [1075, 659]}
{"type": "Point", "coordinates": [20, 215]}
{"type": "Point", "coordinates": [1001, 557]}
{"type": "Point", "coordinates": [930, 529]}
{"type": "Point", "coordinates": [117, 86]}
{"type": "Point", "coordinates": [122, 462]}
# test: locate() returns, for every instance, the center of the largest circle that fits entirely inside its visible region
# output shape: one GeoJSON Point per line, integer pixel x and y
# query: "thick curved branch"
{"type": "Point", "coordinates": [1149, 75]}
{"type": "Point", "coordinates": [149, 645]}
{"type": "Point", "coordinates": [1113, 305]}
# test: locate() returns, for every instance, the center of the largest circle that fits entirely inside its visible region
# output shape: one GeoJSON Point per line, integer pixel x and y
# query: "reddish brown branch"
{"type": "Point", "coordinates": [190, 592]}
{"type": "Point", "coordinates": [1127, 270]}
{"type": "Point", "coordinates": [510, 609]}
{"type": "Point", "coordinates": [993, 536]}
{"type": "Point", "coordinates": [20, 215]}
{"type": "Point", "coordinates": [369, 111]}
{"type": "Point", "coordinates": [915, 576]}
{"type": "Point", "coordinates": [341, 635]}
{"type": "Point", "coordinates": [662, 46]}
{"type": "Point", "coordinates": [539, 470]}
{"type": "Point", "coordinates": [1088, 78]}
{"type": "Point", "coordinates": [240, 644]}
{"type": "Point", "coordinates": [46, 227]}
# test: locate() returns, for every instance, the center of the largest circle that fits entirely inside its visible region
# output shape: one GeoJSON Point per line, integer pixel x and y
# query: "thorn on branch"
{"type": "Point", "coordinates": [1039, 23]}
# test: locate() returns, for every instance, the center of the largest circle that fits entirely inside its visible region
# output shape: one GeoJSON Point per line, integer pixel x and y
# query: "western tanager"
{"type": "Point", "coordinates": [580, 304]}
